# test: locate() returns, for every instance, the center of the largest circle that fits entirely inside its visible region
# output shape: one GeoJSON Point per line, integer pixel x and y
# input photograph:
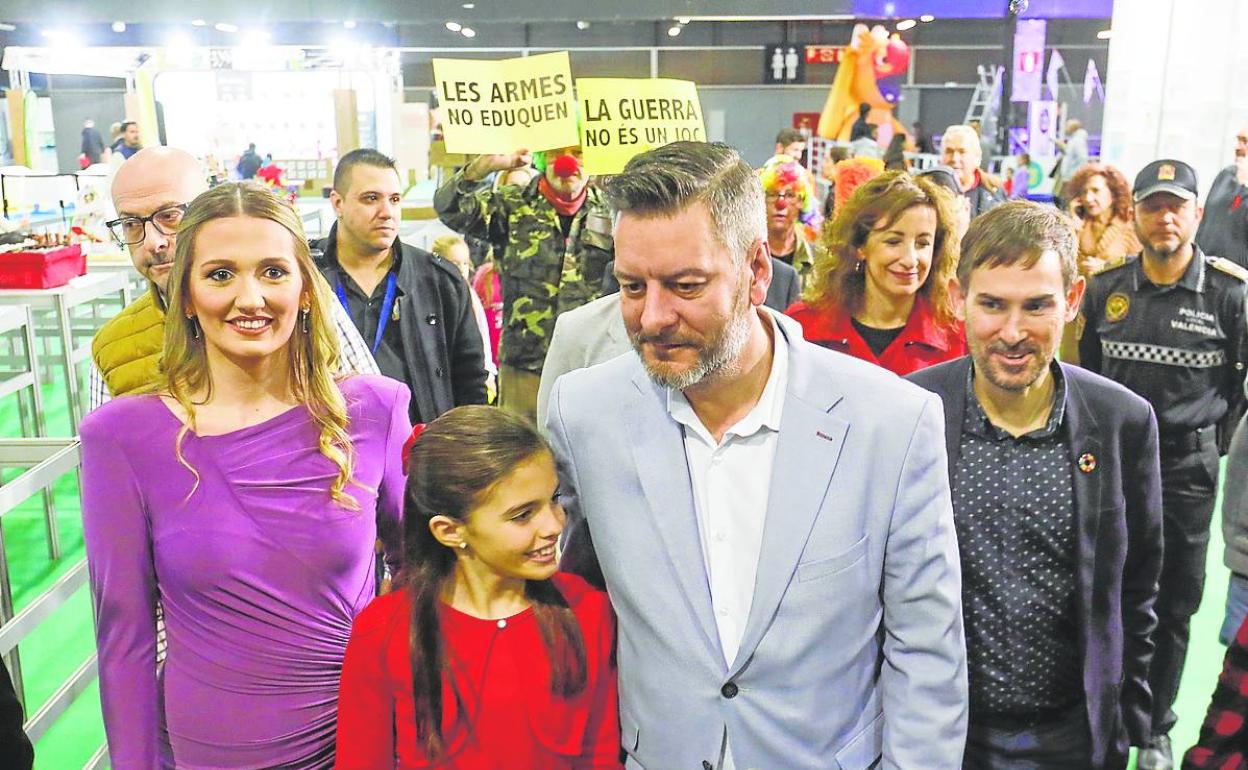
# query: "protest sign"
{"type": "Point", "coordinates": [622, 117]}
{"type": "Point", "coordinates": [505, 105]}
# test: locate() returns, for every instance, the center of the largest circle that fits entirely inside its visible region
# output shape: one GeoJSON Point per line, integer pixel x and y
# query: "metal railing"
{"type": "Point", "coordinates": [45, 461]}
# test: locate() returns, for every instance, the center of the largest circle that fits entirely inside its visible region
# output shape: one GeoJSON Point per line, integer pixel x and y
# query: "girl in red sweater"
{"type": "Point", "coordinates": [483, 657]}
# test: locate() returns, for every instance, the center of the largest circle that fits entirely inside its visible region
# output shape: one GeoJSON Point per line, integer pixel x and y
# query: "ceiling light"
{"type": "Point", "coordinates": [1104, 34]}
{"type": "Point", "coordinates": [221, 26]}
{"type": "Point", "coordinates": [61, 38]}
{"type": "Point", "coordinates": [349, 24]}
{"type": "Point", "coordinates": [198, 23]}
{"type": "Point", "coordinates": [906, 24]}
{"type": "Point", "coordinates": [468, 32]}
{"type": "Point", "coordinates": [119, 26]}
{"type": "Point", "coordinates": [682, 19]}
{"type": "Point", "coordinates": [178, 41]}
{"type": "Point", "coordinates": [469, 6]}
{"type": "Point", "coordinates": [7, 27]}
{"type": "Point", "coordinates": [454, 26]}
{"type": "Point", "coordinates": [674, 30]}
{"type": "Point", "coordinates": [582, 24]}
{"type": "Point", "coordinates": [925, 18]}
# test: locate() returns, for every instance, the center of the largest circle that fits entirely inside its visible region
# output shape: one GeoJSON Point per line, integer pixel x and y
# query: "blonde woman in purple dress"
{"type": "Point", "coordinates": [244, 497]}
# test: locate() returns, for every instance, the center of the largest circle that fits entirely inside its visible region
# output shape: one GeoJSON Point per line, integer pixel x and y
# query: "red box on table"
{"type": "Point", "coordinates": [42, 269]}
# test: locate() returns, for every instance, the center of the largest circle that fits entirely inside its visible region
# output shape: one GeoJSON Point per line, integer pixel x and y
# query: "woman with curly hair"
{"type": "Point", "coordinates": [1100, 199]}
{"type": "Point", "coordinates": [792, 213]}
{"type": "Point", "coordinates": [881, 290]}
{"type": "Point", "coordinates": [1100, 202]}
{"type": "Point", "coordinates": [243, 497]}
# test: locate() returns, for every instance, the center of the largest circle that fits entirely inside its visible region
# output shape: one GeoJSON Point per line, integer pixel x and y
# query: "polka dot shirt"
{"type": "Point", "coordinates": [1014, 509]}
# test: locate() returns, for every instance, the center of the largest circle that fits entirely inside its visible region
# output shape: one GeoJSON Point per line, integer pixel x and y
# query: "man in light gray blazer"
{"type": "Point", "coordinates": [772, 519]}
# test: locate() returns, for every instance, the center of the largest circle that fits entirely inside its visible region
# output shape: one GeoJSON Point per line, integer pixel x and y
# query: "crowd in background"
{"type": "Point", "coordinates": [287, 573]}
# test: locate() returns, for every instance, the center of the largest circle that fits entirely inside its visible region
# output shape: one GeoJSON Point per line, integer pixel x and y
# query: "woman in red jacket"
{"type": "Point", "coordinates": [881, 290]}
{"type": "Point", "coordinates": [483, 657]}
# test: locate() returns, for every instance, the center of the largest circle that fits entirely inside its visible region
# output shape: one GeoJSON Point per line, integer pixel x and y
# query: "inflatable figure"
{"type": "Point", "coordinates": [870, 72]}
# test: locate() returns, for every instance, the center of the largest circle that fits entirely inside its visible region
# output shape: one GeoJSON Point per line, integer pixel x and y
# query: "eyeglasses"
{"type": "Point", "coordinates": [129, 231]}
{"type": "Point", "coordinates": [791, 197]}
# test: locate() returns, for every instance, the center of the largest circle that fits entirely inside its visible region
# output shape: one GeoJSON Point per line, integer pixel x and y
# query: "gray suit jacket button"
{"type": "Point", "coordinates": [729, 690]}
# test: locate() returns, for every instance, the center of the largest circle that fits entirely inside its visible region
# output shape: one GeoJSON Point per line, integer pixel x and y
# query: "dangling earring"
{"type": "Point", "coordinates": [304, 315]}
{"type": "Point", "coordinates": [463, 546]}
{"type": "Point", "coordinates": [858, 266]}
{"type": "Point", "coordinates": [194, 326]}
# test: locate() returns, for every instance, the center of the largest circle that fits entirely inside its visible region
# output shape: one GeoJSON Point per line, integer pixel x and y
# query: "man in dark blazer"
{"type": "Point", "coordinates": [1057, 503]}
{"type": "Point", "coordinates": [413, 311]}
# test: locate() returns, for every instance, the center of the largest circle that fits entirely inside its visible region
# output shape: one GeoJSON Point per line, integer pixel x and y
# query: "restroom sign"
{"type": "Point", "coordinates": [783, 64]}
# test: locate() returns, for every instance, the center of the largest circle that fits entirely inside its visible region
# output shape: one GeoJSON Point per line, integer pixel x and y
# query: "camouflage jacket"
{"type": "Point", "coordinates": [542, 274]}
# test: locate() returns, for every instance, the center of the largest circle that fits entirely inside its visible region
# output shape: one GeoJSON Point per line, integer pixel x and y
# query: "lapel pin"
{"type": "Point", "coordinates": [1087, 462]}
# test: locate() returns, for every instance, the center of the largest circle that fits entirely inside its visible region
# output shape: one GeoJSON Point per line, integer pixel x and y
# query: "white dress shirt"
{"type": "Point", "coordinates": [731, 484]}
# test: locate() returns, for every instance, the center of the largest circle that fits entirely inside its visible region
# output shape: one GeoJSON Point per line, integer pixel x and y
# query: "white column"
{"type": "Point", "coordinates": [1177, 84]}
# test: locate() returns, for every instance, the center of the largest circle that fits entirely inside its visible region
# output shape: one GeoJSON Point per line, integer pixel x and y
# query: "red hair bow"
{"type": "Point", "coordinates": [417, 429]}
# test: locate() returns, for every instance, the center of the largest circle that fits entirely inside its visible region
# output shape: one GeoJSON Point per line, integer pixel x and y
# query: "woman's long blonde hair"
{"type": "Point", "coordinates": [313, 354]}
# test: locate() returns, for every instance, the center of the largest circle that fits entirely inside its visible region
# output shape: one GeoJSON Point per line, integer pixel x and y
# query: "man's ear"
{"type": "Point", "coordinates": [957, 298]}
{"type": "Point", "coordinates": [1074, 297]}
{"type": "Point", "coordinates": [758, 262]}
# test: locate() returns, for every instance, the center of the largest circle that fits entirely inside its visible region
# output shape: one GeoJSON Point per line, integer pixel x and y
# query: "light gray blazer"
{"type": "Point", "coordinates": [853, 652]}
{"type": "Point", "coordinates": [584, 336]}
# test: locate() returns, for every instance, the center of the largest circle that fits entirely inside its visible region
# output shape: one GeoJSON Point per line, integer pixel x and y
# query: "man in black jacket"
{"type": "Point", "coordinates": [1057, 504]}
{"type": "Point", "coordinates": [412, 309]}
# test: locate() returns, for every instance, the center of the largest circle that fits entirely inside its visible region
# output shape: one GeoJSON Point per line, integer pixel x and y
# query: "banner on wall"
{"type": "Point", "coordinates": [623, 117]}
{"type": "Point", "coordinates": [1028, 60]}
{"type": "Point", "coordinates": [505, 105]}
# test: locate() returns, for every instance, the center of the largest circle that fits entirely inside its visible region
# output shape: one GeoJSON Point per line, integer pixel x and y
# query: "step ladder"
{"type": "Point", "coordinates": [986, 100]}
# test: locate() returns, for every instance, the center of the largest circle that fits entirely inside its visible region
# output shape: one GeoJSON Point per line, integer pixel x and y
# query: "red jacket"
{"type": "Point", "coordinates": [501, 672]}
{"type": "Point", "coordinates": [922, 343]}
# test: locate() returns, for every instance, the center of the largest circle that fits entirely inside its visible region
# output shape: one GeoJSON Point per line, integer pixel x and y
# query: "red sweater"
{"type": "Point", "coordinates": [510, 717]}
{"type": "Point", "coordinates": [922, 343]}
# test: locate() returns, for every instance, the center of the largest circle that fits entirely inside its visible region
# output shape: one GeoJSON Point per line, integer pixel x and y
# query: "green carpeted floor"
{"type": "Point", "coordinates": [63, 642]}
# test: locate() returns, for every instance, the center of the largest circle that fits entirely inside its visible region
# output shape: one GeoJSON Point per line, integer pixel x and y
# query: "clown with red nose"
{"type": "Point", "coordinates": [792, 212]}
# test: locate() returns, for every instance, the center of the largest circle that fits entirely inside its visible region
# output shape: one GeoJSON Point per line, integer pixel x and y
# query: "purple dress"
{"type": "Point", "coordinates": [259, 572]}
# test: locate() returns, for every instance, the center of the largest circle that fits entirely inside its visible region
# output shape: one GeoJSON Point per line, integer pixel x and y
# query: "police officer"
{"type": "Point", "coordinates": [1169, 325]}
{"type": "Point", "coordinates": [552, 242]}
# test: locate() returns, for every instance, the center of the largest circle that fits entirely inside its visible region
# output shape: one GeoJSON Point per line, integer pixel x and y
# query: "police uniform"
{"type": "Point", "coordinates": [1180, 347]}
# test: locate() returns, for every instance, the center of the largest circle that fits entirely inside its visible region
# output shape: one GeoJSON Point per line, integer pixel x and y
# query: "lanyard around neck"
{"type": "Point", "coordinates": [387, 306]}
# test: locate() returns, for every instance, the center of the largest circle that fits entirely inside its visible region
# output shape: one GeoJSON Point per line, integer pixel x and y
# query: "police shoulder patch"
{"type": "Point", "coordinates": [1227, 266]}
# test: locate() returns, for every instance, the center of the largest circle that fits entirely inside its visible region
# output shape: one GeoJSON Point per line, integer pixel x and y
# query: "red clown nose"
{"type": "Point", "coordinates": [781, 204]}
{"type": "Point", "coordinates": [566, 166]}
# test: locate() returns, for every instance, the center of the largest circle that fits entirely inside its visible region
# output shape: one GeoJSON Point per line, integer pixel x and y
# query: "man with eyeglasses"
{"type": "Point", "coordinates": [789, 193]}
{"type": "Point", "coordinates": [1224, 230]}
{"type": "Point", "coordinates": [151, 192]}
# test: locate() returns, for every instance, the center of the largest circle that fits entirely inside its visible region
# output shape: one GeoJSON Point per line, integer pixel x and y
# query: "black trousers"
{"type": "Point", "coordinates": [1189, 487]}
{"type": "Point", "coordinates": [1063, 744]}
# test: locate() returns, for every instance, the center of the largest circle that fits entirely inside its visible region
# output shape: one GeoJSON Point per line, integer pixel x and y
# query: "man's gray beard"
{"type": "Point", "coordinates": [719, 358]}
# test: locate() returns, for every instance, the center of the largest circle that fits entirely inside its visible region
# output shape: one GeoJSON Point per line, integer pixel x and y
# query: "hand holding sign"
{"type": "Point", "coordinates": [484, 165]}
